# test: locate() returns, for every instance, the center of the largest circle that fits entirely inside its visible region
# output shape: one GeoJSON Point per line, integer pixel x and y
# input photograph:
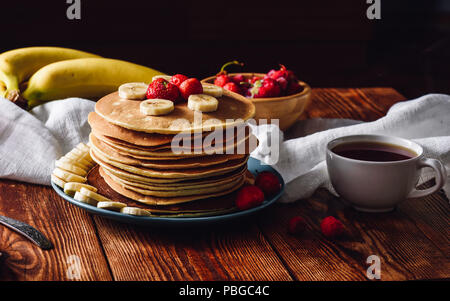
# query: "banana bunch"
{"type": "Point", "coordinates": [41, 74]}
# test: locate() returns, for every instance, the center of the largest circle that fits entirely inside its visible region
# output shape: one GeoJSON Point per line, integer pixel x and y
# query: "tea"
{"type": "Point", "coordinates": [373, 151]}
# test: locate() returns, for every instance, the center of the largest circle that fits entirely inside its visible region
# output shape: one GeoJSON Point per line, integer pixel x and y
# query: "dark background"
{"type": "Point", "coordinates": [328, 43]}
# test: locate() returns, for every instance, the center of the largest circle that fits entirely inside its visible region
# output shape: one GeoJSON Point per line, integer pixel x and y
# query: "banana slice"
{"type": "Point", "coordinates": [68, 176]}
{"type": "Point", "coordinates": [72, 168]}
{"type": "Point", "coordinates": [156, 107]}
{"type": "Point", "coordinates": [202, 103]}
{"type": "Point", "coordinates": [166, 77]}
{"type": "Point", "coordinates": [81, 155]}
{"type": "Point", "coordinates": [58, 181]}
{"type": "Point", "coordinates": [82, 165]}
{"type": "Point", "coordinates": [136, 91]}
{"type": "Point", "coordinates": [78, 159]}
{"type": "Point", "coordinates": [213, 90]}
{"type": "Point", "coordinates": [135, 211]}
{"type": "Point", "coordinates": [72, 187]}
{"type": "Point", "coordinates": [83, 147]}
{"type": "Point", "coordinates": [84, 199]}
{"type": "Point", "coordinates": [93, 195]}
{"type": "Point", "coordinates": [115, 206]}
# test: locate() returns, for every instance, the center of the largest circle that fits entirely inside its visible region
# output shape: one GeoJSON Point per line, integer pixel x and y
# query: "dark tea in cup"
{"type": "Point", "coordinates": [373, 151]}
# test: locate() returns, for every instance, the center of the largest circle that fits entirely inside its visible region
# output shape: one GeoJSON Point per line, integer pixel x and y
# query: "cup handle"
{"type": "Point", "coordinates": [441, 175]}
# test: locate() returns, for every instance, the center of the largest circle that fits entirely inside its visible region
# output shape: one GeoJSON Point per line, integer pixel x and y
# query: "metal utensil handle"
{"type": "Point", "coordinates": [26, 230]}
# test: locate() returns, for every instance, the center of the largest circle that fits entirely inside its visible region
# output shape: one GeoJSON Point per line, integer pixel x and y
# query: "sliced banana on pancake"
{"type": "Point", "coordinates": [93, 195]}
{"type": "Point", "coordinates": [135, 91]}
{"type": "Point", "coordinates": [115, 206]}
{"type": "Point", "coordinates": [72, 168]}
{"type": "Point", "coordinates": [135, 211]}
{"type": "Point", "coordinates": [166, 77]}
{"type": "Point", "coordinates": [84, 199]}
{"type": "Point", "coordinates": [72, 187]}
{"type": "Point", "coordinates": [156, 107]}
{"type": "Point", "coordinates": [213, 90]}
{"type": "Point", "coordinates": [68, 176]}
{"type": "Point", "coordinates": [57, 181]}
{"type": "Point", "coordinates": [202, 103]}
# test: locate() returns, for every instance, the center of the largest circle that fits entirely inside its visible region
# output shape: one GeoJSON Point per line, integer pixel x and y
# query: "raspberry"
{"type": "Point", "coordinates": [296, 225]}
{"type": "Point", "coordinates": [331, 227]}
{"type": "Point", "coordinates": [248, 197]}
{"type": "Point", "coordinates": [268, 182]}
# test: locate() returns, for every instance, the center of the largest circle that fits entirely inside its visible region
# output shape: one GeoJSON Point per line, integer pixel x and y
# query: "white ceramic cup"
{"type": "Point", "coordinates": [379, 186]}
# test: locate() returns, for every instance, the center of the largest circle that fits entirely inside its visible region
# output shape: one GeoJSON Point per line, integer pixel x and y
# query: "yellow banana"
{"type": "Point", "coordinates": [17, 65]}
{"type": "Point", "coordinates": [89, 78]}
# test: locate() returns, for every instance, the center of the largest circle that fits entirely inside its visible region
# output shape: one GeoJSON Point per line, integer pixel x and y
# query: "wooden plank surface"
{"type": "Point", "coordinates": [70, 229]}
{"type": "Point", "coordinates": [412, 242]}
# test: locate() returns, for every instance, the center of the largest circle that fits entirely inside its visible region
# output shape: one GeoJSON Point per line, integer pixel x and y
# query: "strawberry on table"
{"type": "Point", "coordinates": [160, 88]}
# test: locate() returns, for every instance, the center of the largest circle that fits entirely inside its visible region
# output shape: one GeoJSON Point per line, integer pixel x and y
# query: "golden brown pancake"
{"type": "Point", "coordinates": [192, 173]}
{"type": "Point", "coordinates": [233, 109]}
{"type": "Point", "coordinates": [152, 200]}
{"type": "Point", "coordinates": [101, 126]}
{"type": "Point", "coordinates": [186, 163]}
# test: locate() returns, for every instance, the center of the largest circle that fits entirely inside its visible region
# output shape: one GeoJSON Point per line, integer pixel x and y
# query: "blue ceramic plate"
{"type": "Point", "coordinates": [254, 166]}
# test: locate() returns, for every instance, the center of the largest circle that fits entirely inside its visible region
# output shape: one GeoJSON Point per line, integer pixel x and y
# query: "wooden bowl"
{"type": "Point", "coordinates": [287, 109]}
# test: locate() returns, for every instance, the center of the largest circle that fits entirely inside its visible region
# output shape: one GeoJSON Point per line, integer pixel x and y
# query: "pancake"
{"type": "Point", "coordinates": [179, 191]}
{"type": "Point", "coordinates": [152, 200]}
{"type": "Point", "coordinates": [177, 185]}
{"type": "Point", "coordinates": [111, 154]}
{"type": "Point", "coordinates": [209, 206]}
{"type": "Point", "coordinates": [101, 126]}
{"type": "Point", "coordinates": [193, 173]}
{"type": "Point", "coordinates": [194, 141]}
{"type": "Point", "coordinates": [244, 146]}
{"type": "Point", "coordinates": [233, 109]}
{"type": "Point", "coordinates": [122, 174]}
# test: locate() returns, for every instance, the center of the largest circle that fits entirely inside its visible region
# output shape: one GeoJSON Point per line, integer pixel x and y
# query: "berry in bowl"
{"type": "Point", "coordinates": [276, 95]}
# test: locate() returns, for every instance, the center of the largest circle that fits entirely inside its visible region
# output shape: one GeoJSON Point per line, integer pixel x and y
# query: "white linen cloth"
{"type": "Point", "coordinates": [30, 142]}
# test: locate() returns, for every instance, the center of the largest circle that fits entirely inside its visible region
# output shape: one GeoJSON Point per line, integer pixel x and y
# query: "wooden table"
{"type": "Point", "coordinates": [412, 241]}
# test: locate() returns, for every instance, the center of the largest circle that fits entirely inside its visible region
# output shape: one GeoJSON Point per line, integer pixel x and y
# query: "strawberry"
{"type": "Point", "coordinates": [189, 87]}
{"type": "Point", "coordinates": [296, 225]}
{"type": "Point", "coordinates": [221, 80]}
{"type": "Point", "coordinates": [248, 197]}
{"type": "Point", "coordinates": [222, 77]}
{"type": "Point", "coordinates": [331, 227]}
{"type": "Point", "coordinates": [254, 79]}
{"type": "Point", "coordinates": [160, 88]}
{"type": "Point", "coordinates": [282, 82]}
{"type": "Point", "coordinates": [264, 88]}
{"type": "Point", "coordinates": [177, 79]}
{"type": "Point", "coordinates": [293, 88]}
{"type": "Point", "coordinates": [268, 182]}
{"type": "Point", "coordinates": [233, 87]}
{"type": "Point", "coordinates": [238, 79]}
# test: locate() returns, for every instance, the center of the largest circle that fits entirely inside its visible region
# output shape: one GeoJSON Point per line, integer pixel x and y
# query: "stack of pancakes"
{"type": "Point", "coordinates": [139, 160]}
